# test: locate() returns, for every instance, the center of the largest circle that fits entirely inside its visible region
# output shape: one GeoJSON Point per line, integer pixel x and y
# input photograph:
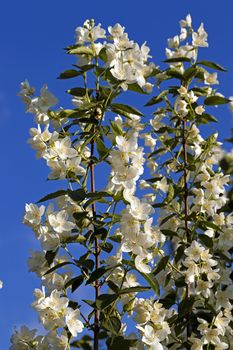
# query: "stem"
{"type": "Point", "coordinates": [97, 251]}
{"type": "Point", "coordinates": [97, 257]}
{"type": "Point", "coordinates": [186, 212]}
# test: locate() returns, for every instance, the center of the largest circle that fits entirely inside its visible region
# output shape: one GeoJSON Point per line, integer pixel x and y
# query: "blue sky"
{"type": "Point", "coordinates": [32, 37]}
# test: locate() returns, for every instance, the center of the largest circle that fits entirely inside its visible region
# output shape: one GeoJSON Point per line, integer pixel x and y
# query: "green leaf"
{"type": "Point", "coordinates": [158, 151]}
{"type": "Point", "coordinates": [173, 73]}
{"type": "Point", "coordinates": [169, 233]}
{"type": "Point", "coordinates": [170, 194]}
{"type": "Point", "coordinates": [208, 242]}
{"type": "Point", "coordinates": [168, 300]}
{"type": "Point", "coordinates": [215, 100]}
{"type": "Point", "coordinates": [81, 50]}
{"type": "Point", "coordinates": [102, 150]}
{"type": "Point", "coordinates": [177, 59]}
{"type": "Point", "coordinates": [136, 88]}
{"type": "Point", "coordinates": [78, 91]}
{"type": "Point", "coordinates": [185, 306]}
{"type": "Point", "coordinates": [180, 282]}
{"type": "Point", "coordinates": [70, 73]}
{"type": "Point", "coordinates": [97, 274]}
{"type": "Point", "coordinates": [191, 73]}
{"type": "Point", "coordinates": [157, 99]}
{"type": "Point", "coordinates": [106, 246]}
{"type": "Point", "coordinates": [75, 283]}
{"type": "Point", "coordinates": [98, 194]}
{"type": "Point", "coordinates": [121, 109]}
{"type": "Point", "coordinates": [121, 343]}
{"type": "Point", "coordinates": [50, 256]}
{"type": "Point", "coordinates": [209, 224]}
{"type": "Point", "coordinates": [105, 300]}
{"type": "Point", "coordinates": [150, 278]}
{"type": "Point", "coordinates": [134, 290]}
{"type": "Point", "coordinates": [58, 266]}
{"type": "Point", "coordinates": [117, 130]}
{"type": "Point", "coordinates": [112, 324]}
{"type": "Point", "coordinates": [161, 265]}
{"type": "Point", "coordinates": [179, 252]}
{"type": "Point", "coordinates": [211, 65]}
{"type": "Point", "coordinates": [206, 118]}
{"type": "Point", "coordinates": [52, 196]}
{"type": "Point", "coordinates": [166, 219]}
{"type": "Point", "coordinates": [77, 195]}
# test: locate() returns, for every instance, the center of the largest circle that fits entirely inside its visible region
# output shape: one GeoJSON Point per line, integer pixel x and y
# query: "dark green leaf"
{"type": "Point", "coordinates": [177, 59]}
{"type": "Point", "coordinates": [215, 100]}
{"type": "Point", "coordinates": [136, 88]}
{"type": "Point", "coordinates": [161, 265]}
{"type": "Point", "coordinates": [173, 73]}
{"type": "Point", "coordinates": [70, 73]}
{"type": "Point", "coordinates": [125, 108]}
{"type": "Point", "coordinates": [186, 305]}
{"type": "Point", "coordinates": [168, 300]}
{"type": "Point", "coordinates": [50, 256]}
{"type": "Point", "coordinates": [97, 274]}
{"type": "Point", "coordinates": [105, 300]}
{"type": "Point", "coordinates": [157, 99]}
{"type": "Point", "coordinates": [58, 266]}
{"type": "Point", "coordinates": [78, 91]}
{"type": "Point", "coordinates": [77, 195]}
{"type": "Point", "coordinates": [121, 343]}
{"type": "Point", "coordinates": [75, 283]}
{"type": "Point", "coordinates": [179, 253]}
{"type": "Point", "coordinates": [209, 225]}
{"type": "Point", "coordinates": [134, 290]}
{"type": "Point", "coordinates": [211, 65]}
{"type": "Point", "coordinates": [208, 242]}
{"type": "Point", "coordinates": [206, 118]}
{"type": "Point", "coordinates": [107, 247]}
{"type": "Point", "coordinates": [53, 195]}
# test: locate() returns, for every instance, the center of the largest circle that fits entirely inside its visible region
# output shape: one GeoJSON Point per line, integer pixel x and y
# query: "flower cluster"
{"type": "Point", "coordinates": [173, 242]}
{"type": "Point", "coordinates": [126, 60]}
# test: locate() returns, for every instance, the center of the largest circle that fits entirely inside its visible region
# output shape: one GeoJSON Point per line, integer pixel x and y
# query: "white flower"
{"type": "Point", "coordinates": [203, 287]}
{"type": "Point", "coordinates": [194, 251]}
{"type": "Point", "coordinates": [22, 338]}
{"type": "Point", "coordinates": [149, 338]}
{"type": "Point", "coordinates": [63, 149]}
{"type": "Point", "coordinates": [59, 222]}
{"type": "Point", "coordinates": [199, 110]}
{"type": "Point", "coordinates": [187, 22]}
{"type": "Point", "coordinates": [73, 165]}
{"type": "Point", "coordinates": [221, 323]}
{"type": "Point", "coordinates": [55, 301]}
{"type": "Point", "coordinates": [140, 210]}
{"type": "Point", "coordinates": [141, 265]}
{"type": "Point", "coordinates": [211, 79]}
{"type": "Point", "coordinates": [162, 185]}
{"type": "Point", "coordinates": [200, 38]}
{"type": "Point", "coordinates": [174, 42]}
{"type": "Point", "coordinates": [33, 214]}
{"type": "Point", "coordinates": [197, 344]}
{"type": "Point", "coordinates": [183, 91]}
{"type": "Point", "coordinates": [116, 31]}
{"type": "Point", "coordinates": [182, 108]}
{"type": "Point", "coordinates": [74, 325]}
{"type": "Point", "coordinates": [42, 103]}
